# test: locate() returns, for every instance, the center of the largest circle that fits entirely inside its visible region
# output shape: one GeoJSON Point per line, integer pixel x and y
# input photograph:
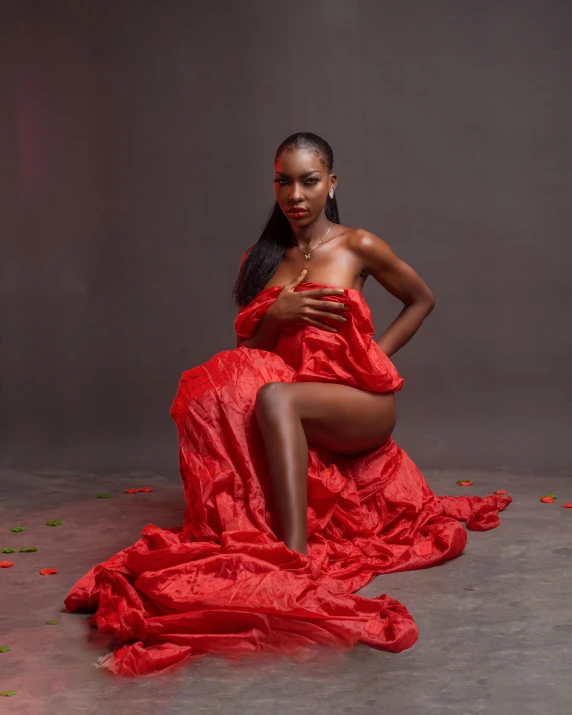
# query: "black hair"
{"type": "Point", "coordinates": [276, 236]}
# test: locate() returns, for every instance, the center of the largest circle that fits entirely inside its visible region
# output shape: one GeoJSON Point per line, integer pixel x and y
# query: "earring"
{"type": "Point", "coordinates": [331, 193]}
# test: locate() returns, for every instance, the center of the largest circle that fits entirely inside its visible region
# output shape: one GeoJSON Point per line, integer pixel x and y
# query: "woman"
{"type": "Point", "coordinates": [335, 416]}
{"type": "Point", "coordinates": [297, 495]}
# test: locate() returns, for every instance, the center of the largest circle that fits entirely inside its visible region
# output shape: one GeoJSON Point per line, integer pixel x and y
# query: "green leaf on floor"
{"type": "Point", "coordinates": [549, 495]}
{"type": "Point", "coordinates": [25, 549]}
{"type": "Point", "coordinates": [54, 522]}
{"type": "Point", "coordinates": [8, 550]}
{"type": "Point", "coordinates": [104, 496]}
{"type": "Point", "coordinates": [4, 648]}
{"type": "Point", "coordinates": [17, 528]}
{"type": "Point", "coordinates": [52, 623]}
{"type": "Point", "coordinates": [8, 693]}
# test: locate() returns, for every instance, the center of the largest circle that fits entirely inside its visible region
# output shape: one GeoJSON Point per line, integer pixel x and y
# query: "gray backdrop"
{"type": "Point", "coordinates": [138, 140]}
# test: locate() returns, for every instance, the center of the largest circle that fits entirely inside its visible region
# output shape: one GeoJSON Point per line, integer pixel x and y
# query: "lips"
{"type": "Point", "coordinates": [297, 212]}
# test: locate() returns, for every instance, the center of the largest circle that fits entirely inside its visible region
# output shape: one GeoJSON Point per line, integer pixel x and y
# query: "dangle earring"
{"type": "Point", "coordinates": [331, 193]}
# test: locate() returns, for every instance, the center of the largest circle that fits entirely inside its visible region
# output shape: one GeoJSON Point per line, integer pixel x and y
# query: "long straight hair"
{"type": "Point", "coordinates": [267, 253]}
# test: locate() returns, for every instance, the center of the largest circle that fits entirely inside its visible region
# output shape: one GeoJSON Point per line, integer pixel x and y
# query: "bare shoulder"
{"type": "Point", "coordinates": [393, 273]}
{"type": "Point", "coordinates": [370, 249]}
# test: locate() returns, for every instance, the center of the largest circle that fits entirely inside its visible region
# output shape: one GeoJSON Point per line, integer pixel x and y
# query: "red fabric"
{"type": "Point", "coordinates": [223, 583]}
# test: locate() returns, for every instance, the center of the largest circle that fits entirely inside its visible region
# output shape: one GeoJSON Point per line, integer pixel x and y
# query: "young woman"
{"type": "Point", "coordinates": [304, 240]}
{"type": "Point", "coordinates": [297, 496]}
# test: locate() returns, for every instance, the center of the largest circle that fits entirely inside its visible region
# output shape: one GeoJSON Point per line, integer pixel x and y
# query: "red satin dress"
{"type": "Point", "coordinates": [223, 582]}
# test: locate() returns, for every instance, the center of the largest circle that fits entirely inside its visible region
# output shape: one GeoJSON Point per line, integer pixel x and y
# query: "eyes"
{"type": "Point", "coordinates": [310, 182]}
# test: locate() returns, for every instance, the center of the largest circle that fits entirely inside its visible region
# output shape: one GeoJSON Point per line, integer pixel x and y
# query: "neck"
{"type": "Point", "coordinates": [305, 236]}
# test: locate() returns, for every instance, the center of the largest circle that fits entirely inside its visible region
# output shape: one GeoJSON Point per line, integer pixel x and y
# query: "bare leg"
{"type": "Point", "coordinates": [287, 456]}
{"type": "Point", "coordinates": [338, 417]}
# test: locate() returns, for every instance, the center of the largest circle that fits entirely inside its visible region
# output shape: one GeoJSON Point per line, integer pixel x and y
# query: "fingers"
{"type": "Point", "coordinates": [330, 316]}
{"type": "Point", "coordinates": [323, 314]}
{"type": "Point", "coordinates": [295, 281]}
{"type": "Point", "coordinates": [326, 305]}
{"type": "Point", "coordinates": [322, 291]}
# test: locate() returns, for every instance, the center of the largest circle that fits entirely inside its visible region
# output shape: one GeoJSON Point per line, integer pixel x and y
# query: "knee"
{"type": "Point", "coordinates": [271, 399]}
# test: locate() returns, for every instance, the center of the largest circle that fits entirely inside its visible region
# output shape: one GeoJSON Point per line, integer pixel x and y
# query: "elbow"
{"type": "Point", "coordinates": [427, 302]}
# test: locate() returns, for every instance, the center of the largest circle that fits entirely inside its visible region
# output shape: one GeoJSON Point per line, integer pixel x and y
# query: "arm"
{"type": "Point", "coordinates": [267, 331]}
{"type": "Point", "coordinates": [401, 281]}
{"type": "Point", "coordinates": [265, 335]}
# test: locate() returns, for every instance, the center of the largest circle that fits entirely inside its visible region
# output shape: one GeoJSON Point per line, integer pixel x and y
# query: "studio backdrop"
{"type": "Point", "coordinates": [138, 141]}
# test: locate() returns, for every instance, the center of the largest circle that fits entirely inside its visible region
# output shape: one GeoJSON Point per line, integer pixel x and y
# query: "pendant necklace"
{"type": "Point", "coordinates": [308, 253]}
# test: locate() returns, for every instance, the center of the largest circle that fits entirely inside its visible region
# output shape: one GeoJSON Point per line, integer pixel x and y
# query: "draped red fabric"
{"type": "Point", "coordinates": [223, 582]}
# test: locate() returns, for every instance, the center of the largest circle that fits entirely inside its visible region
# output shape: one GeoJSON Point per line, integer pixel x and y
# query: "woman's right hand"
{"type": "Point", "coordinates": [291, 306]}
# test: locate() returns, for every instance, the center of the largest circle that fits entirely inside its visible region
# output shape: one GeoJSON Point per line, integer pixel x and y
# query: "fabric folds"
{"type": "Point", "coordinates": [223, 582]}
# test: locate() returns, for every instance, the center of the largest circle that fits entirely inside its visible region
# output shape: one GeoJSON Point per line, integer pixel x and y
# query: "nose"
{"type": "Point", "coordinates": [295, 192]}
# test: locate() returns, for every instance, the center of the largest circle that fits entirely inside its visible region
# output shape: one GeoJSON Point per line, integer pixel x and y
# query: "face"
{"type": "Point", "coordinates": [301, 181]}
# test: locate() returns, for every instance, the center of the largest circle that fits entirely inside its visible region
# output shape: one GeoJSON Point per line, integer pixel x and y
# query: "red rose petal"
{"type": "Point", "coordinates": [6, 564]}
{"type": "Point", "coordinates": [501, 491]}
{"type": "Point", "coordinates": [465, 483]}
{"type": "Point", "coordinates": [146, 489]}
{"type": "Point", "coordinates": [568, 505]}
{"type": "Point", "coordinates": [547, 500]}
{"type": "Point", "coordinates": [131, 491]}
{"type": "Point", "coordinates": [47, 572]}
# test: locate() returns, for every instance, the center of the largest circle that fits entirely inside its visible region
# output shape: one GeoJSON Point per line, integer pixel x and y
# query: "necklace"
{"type": "Point", "coordinates": [307, 254]}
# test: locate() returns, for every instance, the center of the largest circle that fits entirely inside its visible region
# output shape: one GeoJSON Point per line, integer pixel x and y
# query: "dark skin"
{"type": "Point", "coordinates": [343, 419]}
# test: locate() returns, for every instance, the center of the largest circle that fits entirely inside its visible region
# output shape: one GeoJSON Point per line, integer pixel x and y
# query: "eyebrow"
{"type": "Point", "coordinates": [303, 175]}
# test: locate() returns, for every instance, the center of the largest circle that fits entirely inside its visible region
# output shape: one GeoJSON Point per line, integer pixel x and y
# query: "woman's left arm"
{"type": "Point", "coordinates": [400, 280]}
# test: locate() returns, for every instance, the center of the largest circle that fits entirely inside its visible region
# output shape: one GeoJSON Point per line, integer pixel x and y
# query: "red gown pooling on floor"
{"type": "Point", "coordinates": [223, 582]}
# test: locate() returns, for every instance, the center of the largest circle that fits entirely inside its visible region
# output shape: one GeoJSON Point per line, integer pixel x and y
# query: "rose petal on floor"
{"type": "Point", "coordinates": [464, 482]}
{"type": "Point", "coordinates": [501, 491]}
{"type": "Point", "coordinates": [5, 564]}
{"type": "Point", "coordinates": [47, 572]}
{"type": "Point", "coordinates": [547, 500]}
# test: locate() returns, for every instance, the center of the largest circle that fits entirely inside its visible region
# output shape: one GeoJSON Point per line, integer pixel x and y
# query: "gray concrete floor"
{"type": "Point", "coordinates": [495, 624]}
